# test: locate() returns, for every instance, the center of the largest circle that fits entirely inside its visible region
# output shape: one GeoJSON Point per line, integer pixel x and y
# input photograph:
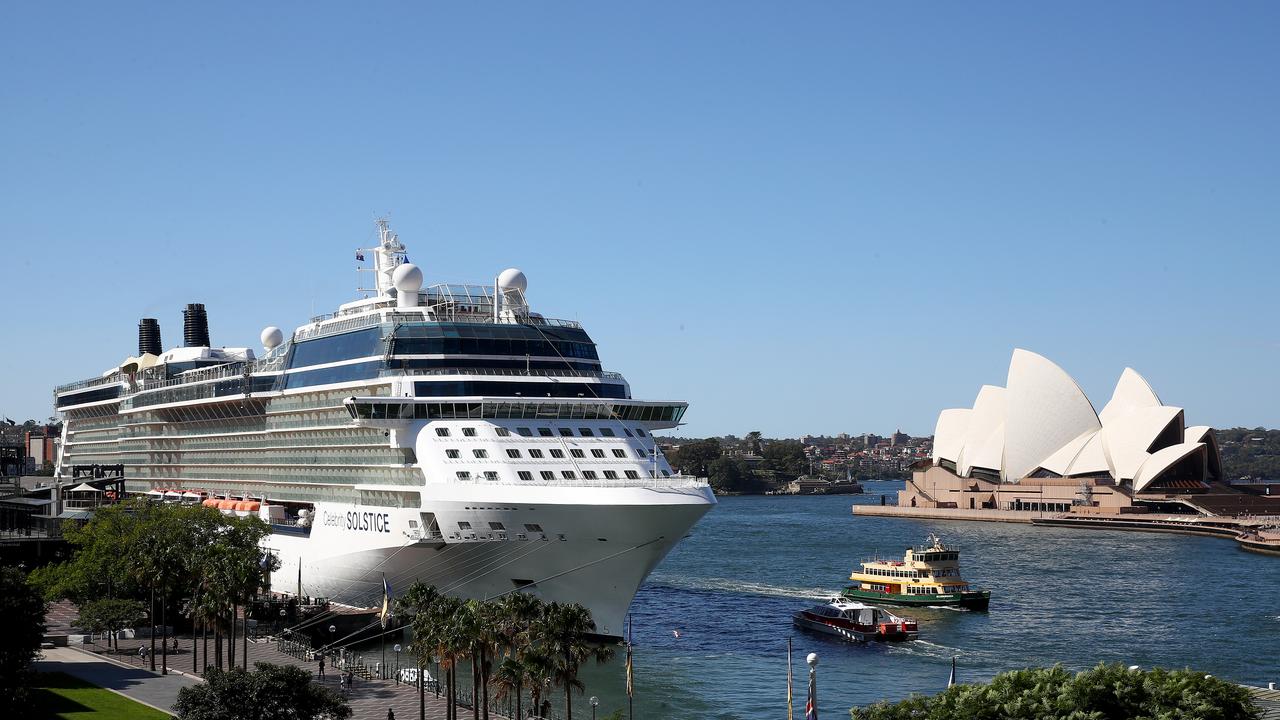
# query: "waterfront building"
{"type": "Point", "coordinates": [1038, 444]}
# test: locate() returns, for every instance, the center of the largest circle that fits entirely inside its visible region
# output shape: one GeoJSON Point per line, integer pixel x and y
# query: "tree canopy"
{"type": "Point", "coordinates": [23, 612]}
{"type": "Point", "coordinates": [1100, 693]}
{"type": "Point", "coordinates": [268, 692]}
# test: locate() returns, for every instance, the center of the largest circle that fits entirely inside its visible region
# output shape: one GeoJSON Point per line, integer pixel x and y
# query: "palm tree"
{"type": "Point", "coordinates": [538, 668]}
{"type": "Point", "coordinates": [444, 630]}
{"type": "Point", "coordinates": [508, 682]}
{"type": "Point", "coordinates": [417, 604]}
{"type": "Point", "coordinates": [563, 633]}
{"type": "Point", "coordinates": [517, 612]}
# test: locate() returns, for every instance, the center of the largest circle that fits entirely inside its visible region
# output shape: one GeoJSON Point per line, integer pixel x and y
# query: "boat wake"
{"type": "Point", "coordinates": [745, 588]}
{"type": "Point", "coordinates": [953, 608]}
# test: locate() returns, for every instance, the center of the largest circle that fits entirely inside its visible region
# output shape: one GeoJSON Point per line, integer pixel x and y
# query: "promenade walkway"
{"type": "Point", "coordinates": [160, 692]}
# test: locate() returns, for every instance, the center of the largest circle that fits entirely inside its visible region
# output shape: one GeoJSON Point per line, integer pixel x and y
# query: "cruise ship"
{"type": "Point", "coordinates": [445, 433]}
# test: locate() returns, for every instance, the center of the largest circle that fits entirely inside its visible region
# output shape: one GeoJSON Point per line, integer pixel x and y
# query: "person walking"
{"type": "Point", "coordinates": [391, 714]}
{"type": "Point", "coordinates": [142, 653]}
{"type": "Point", "coordinates": [322, 666]}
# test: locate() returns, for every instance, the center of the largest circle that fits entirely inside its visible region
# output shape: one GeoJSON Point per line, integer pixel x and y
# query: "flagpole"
{"type": "Point", "coordinates": [789, 682]}
{"type": "Point", "coordinates": [630, 690]}
{"type": "Point", "coordinates": [386, 605]}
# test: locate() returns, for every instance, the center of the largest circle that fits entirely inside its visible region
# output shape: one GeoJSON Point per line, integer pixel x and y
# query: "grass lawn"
{"type": "Point", "coordinates": [58, 695]}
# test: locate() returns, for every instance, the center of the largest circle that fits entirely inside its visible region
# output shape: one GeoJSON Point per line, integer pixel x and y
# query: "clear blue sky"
{"type": "Point", "coordinates": [801, 219]}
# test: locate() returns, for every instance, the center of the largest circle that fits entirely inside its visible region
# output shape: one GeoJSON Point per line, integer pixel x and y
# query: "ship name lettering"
{"type": "Point", "coordinates": [377, 522]}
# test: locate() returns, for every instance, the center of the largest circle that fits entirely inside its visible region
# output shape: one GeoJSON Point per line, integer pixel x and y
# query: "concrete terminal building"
{"type": "Point", "coordinates": [1038, 444]}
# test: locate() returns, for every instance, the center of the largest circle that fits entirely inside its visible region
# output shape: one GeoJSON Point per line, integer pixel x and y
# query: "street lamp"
{"type": "Point", "coordinates": [594, 702]}
{"type": "Point", "coordinates": [813, 683]}
{"type": "Point", "coordinates": [397, 649]}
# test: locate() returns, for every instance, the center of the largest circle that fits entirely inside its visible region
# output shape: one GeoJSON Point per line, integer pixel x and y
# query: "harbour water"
{"type": "Point", "coordinates": [1064, 596]}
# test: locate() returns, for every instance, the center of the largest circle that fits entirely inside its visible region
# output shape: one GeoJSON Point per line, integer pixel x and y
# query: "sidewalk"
{"type": "Point", "coordinates": [158, 691]}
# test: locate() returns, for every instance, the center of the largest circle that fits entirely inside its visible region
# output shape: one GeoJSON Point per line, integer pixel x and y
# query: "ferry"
{"type": "Point", "coordinates": [856, 622]}
{"type": "Point", "coordinates": [446, 433]}
{"type": "Point", "coordinates": [926, 575]}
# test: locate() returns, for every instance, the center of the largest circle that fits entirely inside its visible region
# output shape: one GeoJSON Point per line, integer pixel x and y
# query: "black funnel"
{"type": "Point", "coordinates": [195, 326]}
{"type": "Point", "coordinates": [149, 336]}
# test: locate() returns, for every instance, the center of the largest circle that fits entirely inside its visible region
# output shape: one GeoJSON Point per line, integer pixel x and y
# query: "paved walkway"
{"type": "Point", "coordinates": [158, 691]}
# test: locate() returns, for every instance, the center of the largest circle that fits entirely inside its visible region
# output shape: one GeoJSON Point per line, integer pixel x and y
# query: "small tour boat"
{"type": "Point", "coordinates": [855, 621]}
{"type": "Point", "coordinates": [926, 575]}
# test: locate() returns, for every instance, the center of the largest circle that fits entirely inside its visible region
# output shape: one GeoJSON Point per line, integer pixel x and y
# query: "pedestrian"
{"type": "Point", "coordinates": [322, 666]}
{"type": "Point", "coordinates": [142, 653]}
{"type": "Point", "coordinates": [391, 714]}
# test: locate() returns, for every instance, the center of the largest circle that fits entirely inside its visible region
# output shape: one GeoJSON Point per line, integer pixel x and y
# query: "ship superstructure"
{"type": "Point", "coordinates": [445, 433]}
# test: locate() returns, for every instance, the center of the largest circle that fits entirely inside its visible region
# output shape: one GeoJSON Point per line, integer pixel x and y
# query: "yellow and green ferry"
{"type": "Point", "coordinates": [926, 575]}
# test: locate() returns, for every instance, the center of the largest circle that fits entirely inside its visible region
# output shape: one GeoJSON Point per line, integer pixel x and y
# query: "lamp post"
{"type": "Point", "coordinates": [811, 709]}
{"type": "Point", "coordinates": [397, 649]}
{"type": "Point", "coordinates": [594, 702]}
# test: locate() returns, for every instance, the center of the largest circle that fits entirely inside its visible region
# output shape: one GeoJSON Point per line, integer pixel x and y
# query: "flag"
{"type": "Point", "coordinates": [385, 615]}
{"type": "Point", "coordinates": [789, 681]}
{"type": "Point", "coordinates": [811, 706]}
{"type": "Point", "coordinates": [299, 584]}
{"type": "Point", "coordinates": [359, 256]}
{"type": "Point", "coordinates": [952, 681]}
{"type": "Point", "coordinates": [629, 689]}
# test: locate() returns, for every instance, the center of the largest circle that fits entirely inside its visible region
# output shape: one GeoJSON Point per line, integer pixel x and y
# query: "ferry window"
{"type": "Point", "coordinates": [589, 474]}
{"type": "Point", "coordinates": [548, 475]}
{"type": "Point", "coordinates": [464, 526]}
{"type": "Point", "coordinates": [619, 453]}
{"type": "Point", "coordinates": [597, 453]}
{"type": "Point", "coordinates": [585, 432]}
{"type": "Point", "coordinates": [451, 454]}
{"type": "Point", "coordinates": [480, 453]}
{"type": "Point", "coordinates": [545, 432]}
{"type": "Point", "coordinates": [533, 527]}
{"type": "Point", "coordinates": [513, 453]}
{"type": "Point", "coordinates": [464, 475]}
{"type": "Point", "coordinates": [525, 432]}
{"type": "Point", "coordinates": [490, 475]}
{"type": "Point", "coordinates": [535, 453]}
{"type": "Point", "coordinates": [666, 473]}
{"type": "Point", "coordinates": [497, 526]}
{"type": "Point", "coordinates": [502, 432]}
{"type": "Point", "coordinates": [633, 475]}
{"type": "Point", "coordinates": [525, 475]}
{"type": "Point", "coordinates": [607, 432]}
{"type": "Point", "coordinates": [642, 454]}
{"type": "Point", "coordinates": [442, 432]}
{"type": "Point", "coordinates": [577, 453]}
{"type": "Point", "coordinates": [566, 432]}
{"type": "Point", "coordinates": [469, 432]}
{"type": "Point", "coordinates": [640, 432]}
{"type": "Point", "coordinates": [611, 474]}
{"type": "Point", "coordinates": [628, 432]}
{"type": "Point", "coordinates": [567, 474]}
{"type": "Point", "coordinates": [557, 453]}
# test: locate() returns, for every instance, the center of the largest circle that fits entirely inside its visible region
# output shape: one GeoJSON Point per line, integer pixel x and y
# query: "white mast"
{"type": "Point", "coordinates": [387, 256]}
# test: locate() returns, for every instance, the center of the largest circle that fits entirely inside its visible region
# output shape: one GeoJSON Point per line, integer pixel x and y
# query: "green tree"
{"type": "Point", "coordinates": [729, 475]}
{"type": "Point", "coordinates": [753, 441]}
{"type": "Point", "coordinates": [695, 458]}
{"type": "Point", "coordinates": [786, 457]}
{"type": "Point", "coordinates": [23, 611]}
{"type": "Point", "coordinates": [563, 633]}
{"type": "Point", "coordinates": [269, 692]}
{"type": "Point", "coordinates": [109, 616]}
{"type": "Point", "coordinates": [1105, 691]}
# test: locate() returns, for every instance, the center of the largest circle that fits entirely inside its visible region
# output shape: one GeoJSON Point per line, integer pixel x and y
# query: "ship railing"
{"type": "Point", "coordinates": [113, 377]}
{"type": "Point", "coordinates": [505, 372]}
{"type": "Point", "coordinates": [673, 482]}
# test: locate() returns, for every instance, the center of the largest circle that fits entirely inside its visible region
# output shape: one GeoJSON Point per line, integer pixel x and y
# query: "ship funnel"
{"type": "Point", "coordinates": [195, 326]}
{"type": "Point", "coordinates": [149, 337]}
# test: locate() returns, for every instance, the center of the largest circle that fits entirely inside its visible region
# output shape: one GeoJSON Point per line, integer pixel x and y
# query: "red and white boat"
{"type": "Point", "coordinates": [856, 622]}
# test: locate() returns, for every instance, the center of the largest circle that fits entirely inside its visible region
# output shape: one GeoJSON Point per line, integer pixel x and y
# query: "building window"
{"type": "Point", "coordinates": [502, 432]}
{"type": "Point", "coordinates": [442, 432]}
{"type": "Point", "coordinates": [451, 454]}
{"type": "Point", "coordinates": [464, 475]}
{"type": "Point", "coordinates": [513, 453]}
{"type": "Point", "coordinates": [577, 453]}
{"type": "Point", "coordinates": [619, 453]}
{"type": "Point", "coordinates": [633, 475]}
{"type": "Point", "coordinates": [597, 452]}
{"type": "Point", "coordinates": [545, 432]}
{"type": "Point", "coordinates": [535, 453]}
{"type": "Point", "coordinates": [589, 474]}
{"type": "Point", "coordinates": [610, 474]}
{"type": "Point", "coordinates": [490, 475]}
{"type": "Point", "coordinates": [524, 432]}
{"type": "Point", "coordinates": [481, 454]}
{"type": "Point", "coordinates": [525, 475]}
{"type": "Point", "coordinates": [585, 432]}
{"type": "Point", "coordinates": [548, 475]}
{"type": "Point", "coordinates": [469, 432]}
{"type": "Point", "coordinates": [557, 453]}
{"type": "Point", "coordinates": [567, 474]}
{"type": "Point", "coordinates": [566, 432]}
{"type": "Point", "coordinates": [607, 432]}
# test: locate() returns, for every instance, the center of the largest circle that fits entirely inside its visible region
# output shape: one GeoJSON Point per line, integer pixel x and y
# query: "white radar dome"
{"type": "Point", "coordinates": [407, 278]}
{"type": "Point", "coordinates": [513, 279]}
{"type": "Point", "coordinates": [271, 336]}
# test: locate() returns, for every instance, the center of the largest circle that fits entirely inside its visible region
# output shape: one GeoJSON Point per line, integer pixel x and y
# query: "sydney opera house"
{"type": "Point", "coordinates": [1038, 444]}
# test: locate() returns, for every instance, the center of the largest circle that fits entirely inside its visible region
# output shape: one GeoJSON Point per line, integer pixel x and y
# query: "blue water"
{"type": "Point", "coordinates": [1075, 597]}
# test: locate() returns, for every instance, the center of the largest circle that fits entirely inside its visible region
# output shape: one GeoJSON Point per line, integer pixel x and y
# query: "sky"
{"type": "Point", "coordinates": [800, 218]}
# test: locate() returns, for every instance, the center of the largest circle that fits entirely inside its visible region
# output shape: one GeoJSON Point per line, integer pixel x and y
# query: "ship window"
{"type": "Point", "coordinates": [490, 475]}
{"type": "Point", "coordinates": [535, 453]}
{"type": "Point", "coordinates": [525, 432]}
{"type": "Point", "coordinates": [469, 431]}
{"type": "Point", "coordinates": [548, 475]}
{"type": "Point", "coordinates": [567, 474]}
{"type": "Point", "coordinates": [513, 453]}
{"type": "Point", "coordinates": [589, 474]}
{"type": "Point", "coordinates": [525, 475]}
{"type": "Point", "coordinates": [557, 453]}
{"type": "Point", "coordinates": [642, 454]}
{"type": "Point", "coordinates": [533, 527]}
{"type": "Point", "coordinates": [566, 432]}
{"type": "Point", "coordinates": [577, 453]}
{"type": "Point", "coordinates": [628, 432]}
{"type": "Point", "coordinates": [497, 526]}
{"type": "Point", "coordinates": [585, 432]}
{"type": "Point", "coordinates": [597, 453]}
{"type": "Point", "coordinates": [607, 432]}
{"type": "Point", "coordinates": [464, 525]}
{"type": "Point", "coordinates": [545, 432]}
{"type": "Point", "coordinates": [480, 453]}
{"type": "Point", "coordinates": [640, 432]}
{"type": "Point", "coordinates": [442, 432]}
{"type": "Point", "coordinates": [633, 475]}
{"type": "Point", "coordinates": [502, 432]}
{"type": "Point", "coordinates": [666, 473]}
{"type": "Point", "coordinates": [620, 453]}
{"type": "Point", "coordinates": [451, 454]}
{"type": "Point", "coordinates": [611, 474]}
{"type": "Point", "coordinates": [464, 475]}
